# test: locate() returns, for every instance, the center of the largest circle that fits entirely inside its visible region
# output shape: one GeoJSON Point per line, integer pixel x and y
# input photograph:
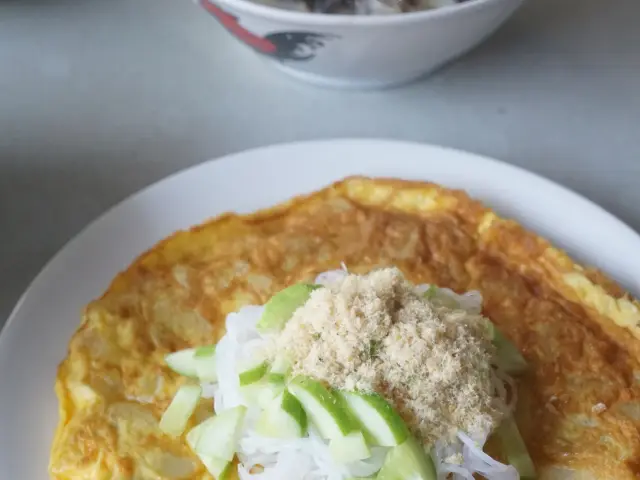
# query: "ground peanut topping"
{"type": "Point", "coordinates": [378, 333]}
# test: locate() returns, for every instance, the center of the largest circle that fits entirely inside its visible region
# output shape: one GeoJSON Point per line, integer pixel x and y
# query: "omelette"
{"type": "Point", "coordinates": [578, 405]}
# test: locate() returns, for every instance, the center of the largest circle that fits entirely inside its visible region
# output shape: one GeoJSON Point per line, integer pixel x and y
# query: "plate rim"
{"type": "Point", "coordinates": [275, 146]}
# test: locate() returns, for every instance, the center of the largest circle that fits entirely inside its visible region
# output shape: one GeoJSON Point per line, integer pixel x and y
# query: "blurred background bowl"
{"type": "Point", "coordinates": [360, 51]}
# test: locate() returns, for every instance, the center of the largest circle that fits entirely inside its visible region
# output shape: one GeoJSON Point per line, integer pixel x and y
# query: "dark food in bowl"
{"type": "Point", "coordinates": [361, 7]}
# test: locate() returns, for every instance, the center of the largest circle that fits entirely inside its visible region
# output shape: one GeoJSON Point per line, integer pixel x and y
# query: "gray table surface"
{"type": "Point", "coordinates": [100, 98]}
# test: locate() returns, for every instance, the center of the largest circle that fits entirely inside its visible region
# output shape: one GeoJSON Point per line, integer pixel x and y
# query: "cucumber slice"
{"type": "Point", "coordinates": [515, 449]}
{"type": "Point", "coordinates": [279, 309]}
{"type": "Point", "coordinates": [279, 370]}
{"type": "Point", "coordinates": [381, 422]}
{"type": "Point", "coordinates": [261, 394]}
{"type": "Point", "coordinates": [283, 418]}
{"type": "Point", "coordinates": [206, 351]}
{"type": "Point", "coordinates": [350, 448]}
{"type": "Point", "coordinates": [220, 469]}
{"type": "Point", "coordinates": [253, 374]}
{"type": "Point", "coordinates": [207, 371]}
{"type": "Point", "coordinates": [182, 362]}
{"type": "Point", "coordinates": [407, 461]}
{"type": "Point", "coordinates": [194, 363]}
{"type": "Point", "coordinates": [274, 423]}
{"type": "Point", "coordinates": [292, 406]}
{"type": "Point", "coordinates": [322, 407]}
{"type": "Point", "coordinates": [509, 357]}
{"type": "Point", "coordinates": [193, 435]}
{"type": "Point", "coordinates": [206, 364]}
{"type": "Point", "coordinates": [174, 419]}
{"type": "Point", "coordinates": [220, 436]}
{"type": "Point", "coordinates": [276, 378]}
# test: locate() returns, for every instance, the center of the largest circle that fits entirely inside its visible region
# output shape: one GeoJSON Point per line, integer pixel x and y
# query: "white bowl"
{"type": "Point", "coordinates": [371, 51]}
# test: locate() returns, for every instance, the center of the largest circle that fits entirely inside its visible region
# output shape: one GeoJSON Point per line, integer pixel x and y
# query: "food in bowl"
{"type": "Point", "coordinates": [321, 372]}
{"type": "Point", "coordinates": [359, 7]}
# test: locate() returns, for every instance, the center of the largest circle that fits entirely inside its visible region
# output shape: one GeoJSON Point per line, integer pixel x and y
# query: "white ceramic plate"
{"type": "Point", "coordinates": [36, 335]}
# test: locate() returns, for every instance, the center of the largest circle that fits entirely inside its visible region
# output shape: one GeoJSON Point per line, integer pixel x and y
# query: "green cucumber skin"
{"type": "Point", "coordinates": [276, 378]}
{"type": "Point", "coordinates": [293, 407]}
{"type": "Point", "coordinates": [330, 403]}
{"type": "Point", "coordinates": [368, 436]}
{"type": "Point", "coordinates": [283, 418]}
{"type": "Point", "coordinates": [401, 432]}
{"type": "Point", "coordinates": [253, 375]}
{"type": "Point", "coordinates": [194, 363]}
{"type": "Point", "coordinates": [280, 308]}
{"type": "Point", "coordinates": [279, 371]}
{"type": "Point", "coordinates": [205, 351]}
{"type": "Point", "coordinates": [395, 423]}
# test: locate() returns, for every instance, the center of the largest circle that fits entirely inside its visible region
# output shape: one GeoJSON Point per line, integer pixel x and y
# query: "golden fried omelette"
{"type": "Point", "coordinates": [578, 408]}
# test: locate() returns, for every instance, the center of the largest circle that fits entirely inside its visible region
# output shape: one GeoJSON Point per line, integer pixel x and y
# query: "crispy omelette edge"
{"type": "Point", "coordinates": [610, 308]}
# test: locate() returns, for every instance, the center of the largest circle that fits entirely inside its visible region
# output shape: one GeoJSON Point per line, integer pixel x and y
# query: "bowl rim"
{"type": "Point", "coordinates": [322, 19]}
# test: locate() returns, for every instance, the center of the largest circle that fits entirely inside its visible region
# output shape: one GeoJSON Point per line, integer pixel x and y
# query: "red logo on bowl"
{"type": "Point", "coordinates": [281, 45]}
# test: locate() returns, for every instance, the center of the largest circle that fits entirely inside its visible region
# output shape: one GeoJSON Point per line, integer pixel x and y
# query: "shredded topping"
{"type": "Point", "coordinates": [378, 333]}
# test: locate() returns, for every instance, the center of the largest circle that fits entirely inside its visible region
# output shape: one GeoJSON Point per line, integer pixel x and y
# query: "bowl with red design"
{"type": "Point", "coordinates": [360, 43]}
